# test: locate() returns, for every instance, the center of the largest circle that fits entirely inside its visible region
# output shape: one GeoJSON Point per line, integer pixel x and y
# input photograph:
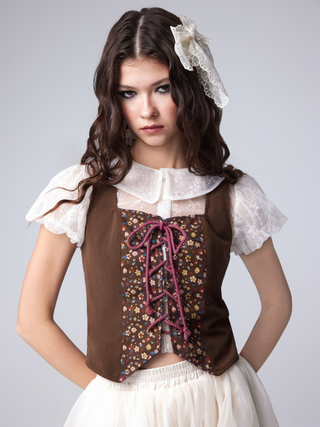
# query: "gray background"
{"type": "Point", "coordinates": [267, 54]}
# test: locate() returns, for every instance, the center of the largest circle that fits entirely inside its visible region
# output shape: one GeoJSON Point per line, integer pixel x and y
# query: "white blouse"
{"type": "Point", "coordinates": [165, 192]}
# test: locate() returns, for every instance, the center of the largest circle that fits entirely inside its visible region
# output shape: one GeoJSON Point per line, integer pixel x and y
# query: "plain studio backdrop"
{"type": "Point", "coordinates": [267, 54]}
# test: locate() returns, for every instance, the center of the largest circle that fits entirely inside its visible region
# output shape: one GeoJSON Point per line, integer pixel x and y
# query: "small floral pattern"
{"type": "Point", "coordinates": [139, 345]}
{"type": "Point", "coordinates": [191, 266]}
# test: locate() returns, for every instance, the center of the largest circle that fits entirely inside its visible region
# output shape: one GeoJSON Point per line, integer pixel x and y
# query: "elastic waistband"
{"type": "Point", "coordinates": [155, 378]}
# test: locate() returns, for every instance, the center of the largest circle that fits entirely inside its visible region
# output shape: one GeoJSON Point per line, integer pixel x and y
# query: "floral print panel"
{"type": "Point", "coordinates": [138, 345]}
{"type": "Point", "coordinates": [143, 268]}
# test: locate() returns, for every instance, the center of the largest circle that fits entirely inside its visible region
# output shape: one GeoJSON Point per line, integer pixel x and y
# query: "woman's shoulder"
{"type": "Point", "coordinates": [69, 218]}
{"type": "Point", "coordinates": [70, 176]}
{"type": "Point", "coordinates": [246, 182]}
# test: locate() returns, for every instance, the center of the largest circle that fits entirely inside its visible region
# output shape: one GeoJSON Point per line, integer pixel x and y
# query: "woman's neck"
{"type": "Point", "coordinates": [158, 157]}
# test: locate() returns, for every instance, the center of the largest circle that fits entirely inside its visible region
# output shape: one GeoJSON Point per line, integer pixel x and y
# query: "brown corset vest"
{"type": "Point", "coordinates": [125, 270]}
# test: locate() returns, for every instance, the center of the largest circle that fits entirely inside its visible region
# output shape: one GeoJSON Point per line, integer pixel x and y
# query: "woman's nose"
{"type": "Point", "coordinates": [148, 108]}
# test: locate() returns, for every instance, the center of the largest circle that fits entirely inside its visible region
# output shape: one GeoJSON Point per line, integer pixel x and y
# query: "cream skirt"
{"type": "Point", "coordinates": [178, 395]}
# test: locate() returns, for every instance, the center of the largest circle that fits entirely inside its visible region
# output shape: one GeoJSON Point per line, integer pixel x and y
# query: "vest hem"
{"type": "Point", "coordinates": [227, 366]}
{"type": "Point", "coordinates": [101, 373]}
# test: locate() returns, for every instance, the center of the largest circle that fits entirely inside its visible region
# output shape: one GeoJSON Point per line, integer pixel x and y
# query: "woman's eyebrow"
{"type": "Point", "coordinates": [157, 83]}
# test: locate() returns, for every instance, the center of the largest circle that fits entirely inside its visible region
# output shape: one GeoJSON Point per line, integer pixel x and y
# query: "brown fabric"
{"type": "Point", "coordinates": [101, 264]}
{"type": "Point", "coordinates": [118, 338]}
{"type": "Point", "coordinates": [216, 330]}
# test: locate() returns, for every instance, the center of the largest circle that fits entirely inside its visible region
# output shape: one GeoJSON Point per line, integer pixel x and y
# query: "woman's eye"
{"type": "Point", "coordinates": [127, 94]}
{"type": "Point", "coordinates": [164, 89]}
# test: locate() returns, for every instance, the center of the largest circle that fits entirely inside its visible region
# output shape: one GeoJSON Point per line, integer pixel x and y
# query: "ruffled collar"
{"type": "Point", "coordinates": [150, 184]}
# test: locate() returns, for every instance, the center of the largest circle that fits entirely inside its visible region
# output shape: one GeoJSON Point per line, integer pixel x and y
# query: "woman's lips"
{"type": "Point", "coordinates": [152, 129]}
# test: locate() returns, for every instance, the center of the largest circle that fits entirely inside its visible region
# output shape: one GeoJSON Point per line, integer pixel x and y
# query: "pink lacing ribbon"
{"type": "Point", "coordinates": [172, 250]}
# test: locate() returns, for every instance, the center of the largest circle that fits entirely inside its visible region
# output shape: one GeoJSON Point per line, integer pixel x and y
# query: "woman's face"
{"type": "Point", "coordinates": [146, 103]}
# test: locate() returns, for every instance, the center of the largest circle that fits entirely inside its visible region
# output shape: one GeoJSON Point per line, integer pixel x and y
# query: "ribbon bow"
{"type": "Point", "coordinates": [193, 51]}
{"type": "Point", "coordinates": [186, 35]}
{"type": "Point", "coordinates": [173, 249]}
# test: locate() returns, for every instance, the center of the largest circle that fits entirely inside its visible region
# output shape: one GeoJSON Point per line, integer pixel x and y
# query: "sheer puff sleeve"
{"type": "Point", "coordinates": [67, 218]}
{"type": "Point", "coordinates": [255, 218]}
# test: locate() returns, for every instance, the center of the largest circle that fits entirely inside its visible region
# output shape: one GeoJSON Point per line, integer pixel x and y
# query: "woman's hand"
{"type": "Point", "coordinates": [266, 272]}
{"type": "Point", "coordinates": [41, 286]}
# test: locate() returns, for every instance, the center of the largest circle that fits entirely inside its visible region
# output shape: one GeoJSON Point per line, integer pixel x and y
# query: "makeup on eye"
{"type": "Point", "coordinates": [164, 89]}
{"type": "Point", "coordinates": [128, 94]}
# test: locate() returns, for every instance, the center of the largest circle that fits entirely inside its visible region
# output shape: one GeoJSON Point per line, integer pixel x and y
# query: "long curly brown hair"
{"type": "Point", "coordinates": [147, 34]}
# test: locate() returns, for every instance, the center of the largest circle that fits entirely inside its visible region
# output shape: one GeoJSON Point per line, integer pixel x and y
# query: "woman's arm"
{"type": "Point", "coordinates": [266, 272]}
{"type": "Point", "coordinates": [41, 286]}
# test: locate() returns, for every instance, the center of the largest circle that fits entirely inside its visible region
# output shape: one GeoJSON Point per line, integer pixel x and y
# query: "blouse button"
{"type": "Point", "coordinates": [164, 174]}
{"type": "Point", "coordinates": [165, 197]}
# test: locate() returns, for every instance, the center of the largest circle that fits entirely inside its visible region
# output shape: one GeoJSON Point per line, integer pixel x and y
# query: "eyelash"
{"type": "Point", "coordinates": [128, 94]}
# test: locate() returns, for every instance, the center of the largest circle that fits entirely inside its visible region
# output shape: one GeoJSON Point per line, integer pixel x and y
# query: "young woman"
{"type": "Point", "coordinates": [156, 211]}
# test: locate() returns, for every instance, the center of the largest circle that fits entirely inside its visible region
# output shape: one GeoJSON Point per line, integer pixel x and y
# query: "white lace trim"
{"type": "Point", "coordinates": [255, 218]}
{"type": "Point", "coordinates": [68, 218]}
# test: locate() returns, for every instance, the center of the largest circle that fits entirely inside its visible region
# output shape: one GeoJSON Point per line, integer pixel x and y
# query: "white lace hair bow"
{"type": "Point", "coordinates": [193, 51]}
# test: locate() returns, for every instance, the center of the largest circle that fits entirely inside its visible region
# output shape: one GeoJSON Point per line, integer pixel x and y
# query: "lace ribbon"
{"type": "Point", "coordinates": [193, 51]}
{"type": "Point", "coordinates": [173, 249]}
